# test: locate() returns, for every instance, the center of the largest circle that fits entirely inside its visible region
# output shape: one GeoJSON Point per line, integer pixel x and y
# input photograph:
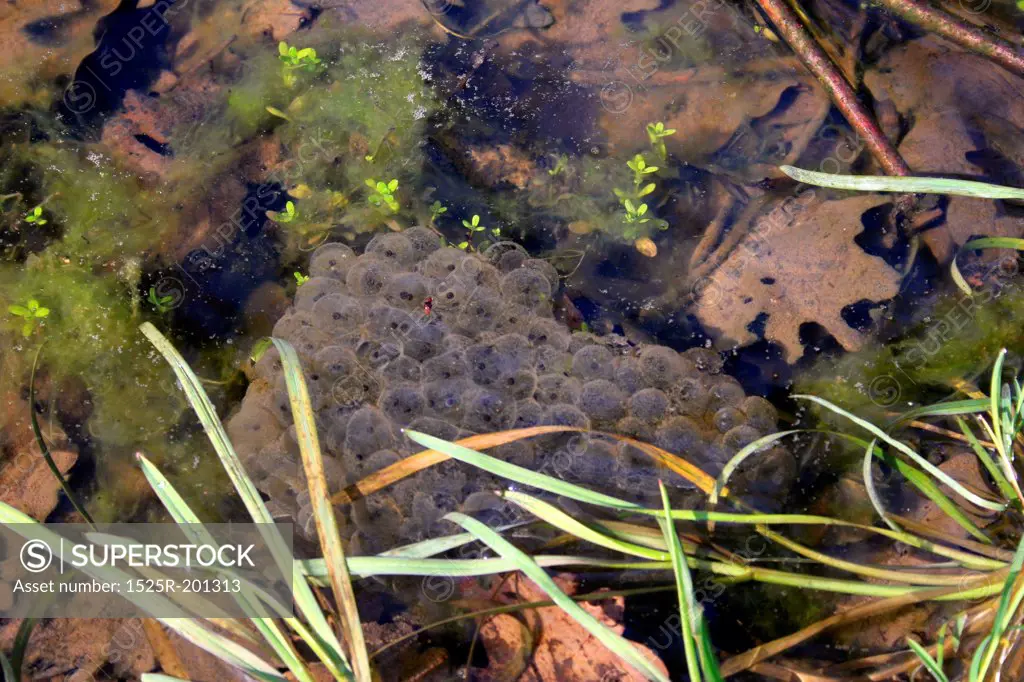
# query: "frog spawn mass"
{"type": "Point", "coordinates": [414, 335]}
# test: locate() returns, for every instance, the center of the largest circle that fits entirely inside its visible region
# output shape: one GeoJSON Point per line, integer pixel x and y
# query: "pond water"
{"type": "Point", "coordinates": [475, 216]}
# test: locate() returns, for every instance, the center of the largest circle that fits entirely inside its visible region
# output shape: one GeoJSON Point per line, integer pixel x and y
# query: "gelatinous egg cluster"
{"type": "Point", "coordinates": [411, 334]}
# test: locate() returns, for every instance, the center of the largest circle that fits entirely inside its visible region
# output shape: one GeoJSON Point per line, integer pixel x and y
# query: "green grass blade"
{"type": "Point", "coordinates": [739, 458]}
{"type": "Point", "coordinates": [930, 663]}
{"type": "Point", "coordinates": [926, 485]}
{"type": "Point", "coordinates": [323, 511]}
{"type": "Point", "coordinates": [869, 485]}
{"type": "Point", "coordinates": [958, 278]}
{"type": "Point", "coordinates": [993, 469]}
{"type": "Point", "coordinates": [621, 647]}
{"type": "Point", "coordinates": [562, 521]}
{"type": "Point", "coordinates": [908, 185]}
{"type": "Point", "coordinates": [370, 566]}
{"type": "Point", "coordinates": [192, 527]}
{"type": "Point", "coordinates": [5, 666]}
{"type": "Point", "coordinates": [1004, 613]}
{"type": "Point", "coordinates": [326, 646]}
{"type": "Point", "coordinates": [160, 677]}
{"type": "Point", "coordinates": [434, 546]}
{"type": "Point", "coordinates": [995, 393]}
{"type": "Point", "coordinates": [688, 614]}
{"type": "Point", "coordinates": [995, 243]}
{"type": "Point", "coordinates": [909, 452]}
{"type": "Point", "coordinates": [950, 408]}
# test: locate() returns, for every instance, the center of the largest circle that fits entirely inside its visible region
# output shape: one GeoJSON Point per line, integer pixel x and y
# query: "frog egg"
{"type": "Point", "coordinates": [628, 376]}
{"type": "Point", "coordinates": [424, 509]}
{"type": "Point", "coordinates": [375, 354]}
{"type": "Point", "coordinates": [497, 250]}
{"type": "Point", "coordinates": [331, 260]}
{"type": "Point", "coordinates": [528, 413]}
{"type": "Point", "coordinates": [313, 290]}
{"type": "Point", "coordinates": [457, 342]}
{"type": "Point", "coordinates": [367, 276]}
{"type": "Point", "coordinates": [438, 428]}
{"type": "Point", "coordinates": [737, 438]}
{"type": "Point", "coordinates": [424, 242]}
{"type": "Point", "coordinates": [402, 369]}
{"type": "Point", "coordinates": [382, 520]}
{"type": "Point", "coordinates": [680, 436]}
{"type": "Point", "coordinates": [308, 340]}
{"type": "Point", "coordinates": [511, 260]}
{"type": "Point", "coordinates": [661, 367]}
{"type": "Point", "coordinates": [269, 365]}
{"type": "Point", "coordinates": [519, 385]}
{"type": "Point", "coordinates": [477, 273]}
{"type": "Point", "coordinates": [368, 431]}
{"type": "Point", "coordinates": [649, 404]}
{"type": "Point", "coordinates": [727, 418]}
{"type": "Point", "coordinates": [487, 364]}
{"type": "Point", "coordinates": [402, 404]}
{"type": "Point", "coordinates": [380, 460]}
{"type": "Point", "coordinates": [550, 360]}
{"type": "Point", "coordinates": [725, 391]}
{"type": "Point", "coordinates": [690, 396]}
{"type": "Point", "coordinates": [580, 340]}
{"type": "Point", "coordinates": [479, 313]}
{"type": "Point", "coordinates": [252, 427]}
{"type": "Point", "coordinates": [386, 323]}
{"type": "Point", "coordinates": [292, 323]}
{"type": "Point", "coordinates": [516, 347]}
{"type": "Point", "coordinates": [705, 360]}
{"type": "Point", "coordinates": [544, 268]}
{"type": "Point", "coordinates": [448, 365]}
{"type": "Point", "coordinates": [564, 414]}
{"type": "Point", "coordinates": [488, 411]}
{"type": "Point", "coordinates": [512, 318]}
{"type": "Point", "coordinates": [393, 247]}
{"type": "Point", "coordinates": [548, 332]}
{"type": "Point", "coordinates": [635, 428]}
{"type": "Point", "coordinates": [355, 388]}
{"type": "Point", "coordinates": [338, 315]}
{"type": "Point", "coordinates": [482, 501]}
{"type": "Point", "coordinates": [407, 291]}
{"type": "Point", "coordinates": [556, 388]}
{"type": "Point", "coordinates": [425, 340]}
{"type": "Point", "coordinates": [334, 439]}
{"type": "Point", "coordinates": [760, 414]}
{"type": "Point", "coordinates": [335, 361]}
{"type": "Point", "coordinates": [445, 398]}
{"type": "Point", "coordinates": [601, 400]}
{"type": "Point", "coordinates": [593, 362]}
{"type": "Point", "coordinates": [442, 263]}
{"type": "Point", "coordinates": [525, 287]}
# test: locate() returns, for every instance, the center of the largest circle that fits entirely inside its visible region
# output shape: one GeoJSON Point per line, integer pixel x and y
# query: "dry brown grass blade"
{"type": "Point", "coordinates": [780, 671]}
{"type": "Point", "coordinates": [427, 458]}
{"type": "Point", "coordinates": [752, 657]}
{"type": "Point", "coordinates": [163, 649]}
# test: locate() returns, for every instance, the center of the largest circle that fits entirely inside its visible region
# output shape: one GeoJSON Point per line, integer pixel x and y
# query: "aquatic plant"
{"type": "Point", "coordinates": [383, 193]}
{"type": "Point", "coordinates": [162, 304]}
{"type": "Point", "coordinates": [436, 211]}
{"type": "Point", "coordinates": [300, 278]}
{"type": "Point", "coordinates": [293, 58]}
{"type": "Point", "coordinates": [35, 216]}
{"type": "Point", "coordinates": [656, 134]}
{"type": "Point", "coordinates": [32, 313]}
{"type": "Point", "coordinates": [285, 216]}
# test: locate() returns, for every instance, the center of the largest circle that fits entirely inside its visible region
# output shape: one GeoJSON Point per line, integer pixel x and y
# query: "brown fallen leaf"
{"type": "Point", "coordinates": [562, 651]}
{"type": "Point", "coordinates": [797, 266]}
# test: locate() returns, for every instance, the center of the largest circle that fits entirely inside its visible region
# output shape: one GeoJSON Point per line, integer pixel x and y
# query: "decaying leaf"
{"type": "Point", "coordinates": [799, 263]}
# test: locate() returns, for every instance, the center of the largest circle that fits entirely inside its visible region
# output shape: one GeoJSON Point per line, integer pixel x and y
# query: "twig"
{"type": "Point", "coordinates": [817, 62]}
{"type": "Point", "coordinates": [963, 34]}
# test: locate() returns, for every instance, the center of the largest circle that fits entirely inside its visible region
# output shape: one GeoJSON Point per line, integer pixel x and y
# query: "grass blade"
{"type": "Point", "coordinates": [684, 588]}
{"type": "Point", "coordinates": [739, 458]}
{"type": "Point", "coordinates": [324, 643]}
{"type": "Point", "coordinates": [906, 185]}
{"type": "Point", "coordinates": [623, 648]}
{"type": "Point", "coordinates": [934, 667]}
{"type": "Point", "coordinates": [869, 485]}
{"type": "Point", "coordinates": [909, 452]}
{"type": "Point", "coordinates": [323, 511]}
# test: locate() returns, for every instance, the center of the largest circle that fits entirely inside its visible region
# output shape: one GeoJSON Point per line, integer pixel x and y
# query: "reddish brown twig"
{"type": "Point", "coordinates": [814, 58]}
{"type": "Point", "coordinates": [949, 27]}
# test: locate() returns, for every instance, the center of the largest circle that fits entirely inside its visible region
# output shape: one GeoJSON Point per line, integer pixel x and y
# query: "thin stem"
{"type": "Point", "coordinates": [963, 34]}
{"type": "Point", "coordinates": [818, 63]}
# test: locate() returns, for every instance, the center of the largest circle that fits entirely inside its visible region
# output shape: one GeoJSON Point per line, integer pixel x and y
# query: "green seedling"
{"type": "Point", "coordinates": [436, 210]}
{"type": "Point", "coordinates": [162, 304]}
{"type": "Point", "coordinates": [635, 214]}
{"type": "Point", "coordinates": [295, 59]}
{"type": "Point", "coordinates": [32, 313]}
{"type": "Point", "coordinates": [300, 279]}
{"type": "Point", "coordinates": [35, 216]}
{"type": "Point", "coordinates": [656, 132]}
{"type": "Point", "coordinates": [383, 194]}
{"type": "Point", "coordinates": [285, 216]}
{"type": "Point", "coordinates": [474, 224]}
{"type": "Point", "coordinates": [561, 164]}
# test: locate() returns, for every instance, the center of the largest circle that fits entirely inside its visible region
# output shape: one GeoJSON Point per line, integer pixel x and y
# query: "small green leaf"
{"type": "Point", "coordinates": [393, 185]}
{"type": "Point", "coordinates": [42, 312]}
{"type": "Point", "coordinates": [282, 48]}
{"type": "Point", "coordinates": [20, 311]}
{"type": "Point", "coordinates": [463, 245]}
{"type": "Point", "coordinates": [647, 189]}
{"type": "Point", "coordinates": [278, 113]}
